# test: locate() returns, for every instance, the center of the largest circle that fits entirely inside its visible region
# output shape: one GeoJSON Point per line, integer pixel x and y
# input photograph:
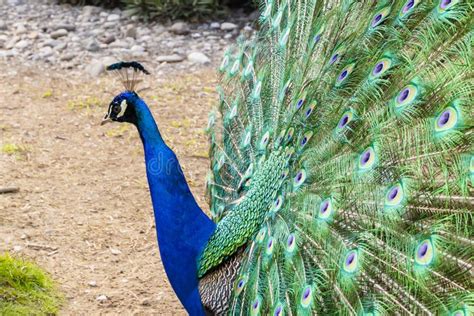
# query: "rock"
{"type": "Point", "coordinates": [95, 68]}
{"type": "Point", "coordinates": [113, 18]}
{"type": "Point", "coordinates": [58, 33]}
{"type": "Point", "coordinates": [102, 298]}
{"type": "Point", "coordinates": [179, 28]}
{"type": "Point", "coordinates": [60, 47]}
{"type": "Point", "coordinates": [107, 38]}
{"type": "Point", "coordinates": [92, 283]}
{"type": "Point", "coordinates": [12, 42]}
{"type": "Point", "coordinates": [146, 302]}
{"type": "Point", "coordinates": [67, 27]}
{"type": "Point", "coordinates": [33, 35]}
{"type": "Point", "coordinates": [109, 25]}
{"type": "Point", "coordinates": [22, 44]}
{"type": "Point", "coordinates": [215, 25]}
{"type": "Point", "coordinates": [90, 10]}
{"type": "Point", "coordinates": [119, 44]}
{"type": "Point", "coordinates": [227, 26]}
{"type": "Point", "coordinates": [115, 251]}
{"type": "Point", "coordinates": [20, 29]}
{"type": "Point", "coordinates": [198, 58]}
{"type": "Point", "coordinates": [137, 49]}
{"type": "Point", "coordinates": [175, 58]}
{"type": "Point", "coordinates": [45, 51]}
{"type": "Point", "coordinates": [17, 248]}
{"type": "Point", "coordinates": [92, 46]}
{"type": "Point", "coordinates": [3, 26]}
{"type": "Point", "coordinates": [51, 43]}
{"type": "Point", "coordinates": [67, 57]}
{"type": "Point", "coordinates": [228, 36]}
{"type": "Point", "coordinates": [131, 31]}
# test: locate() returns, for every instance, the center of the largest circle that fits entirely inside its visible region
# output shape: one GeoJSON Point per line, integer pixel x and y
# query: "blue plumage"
{"type": "Point", "coordinates": [182, 228]}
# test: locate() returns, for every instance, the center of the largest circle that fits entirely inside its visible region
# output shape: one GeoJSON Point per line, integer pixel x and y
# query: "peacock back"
{"type": "Point", "coordinates": [342, 162]}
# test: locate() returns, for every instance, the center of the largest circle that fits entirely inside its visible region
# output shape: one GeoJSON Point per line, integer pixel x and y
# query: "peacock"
{"type": "Point", "coordinates": [341, 165]}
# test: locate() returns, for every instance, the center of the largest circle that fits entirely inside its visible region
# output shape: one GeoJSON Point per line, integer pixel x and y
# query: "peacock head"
{"type": "Point", "coordinates": [122, 107]}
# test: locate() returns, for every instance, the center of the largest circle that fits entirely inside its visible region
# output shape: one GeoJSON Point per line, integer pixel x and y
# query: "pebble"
{"type": "Point", "coordinates": [102, 298]}
{"type": "Point", "coordinates": [227, 26]}
{"type": "Point", "coordinates": [175, 58]}
{"type": "Point", "coordinates": [22, 44]}
{"type": "Point", "coordinates": [68, 57]}
{"type": "Point", "coordinates": [179, 28]}
{"type": "Point", "coordinates": [58, 33]}
{"type": "Point", "coordinates": [92, 46]}
{"type": "Point", "coordinates": [137, 48]}
{"type": "Point", "coordinates": [107, 38]}
{"type": "Point", "coordinates": [215, 25]}
{"type": "Point", "coordinates": [95, 69]}
{"type": "Point", "coordinates": [113, 18]}
{"type": "Point", "coordinates": [131, 31]}
{"type": "Point", "coordinates": [198, 58]}
{"type": "Point", "coordinates": [92, 283]}
{"type": "Point", "coordinates": [69, 36]}
{"type": "Point", "coordinates": [115, 251]}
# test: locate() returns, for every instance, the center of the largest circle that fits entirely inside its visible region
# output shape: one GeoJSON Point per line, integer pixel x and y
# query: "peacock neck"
{"type": "Point", "coordinates": [182, 228]}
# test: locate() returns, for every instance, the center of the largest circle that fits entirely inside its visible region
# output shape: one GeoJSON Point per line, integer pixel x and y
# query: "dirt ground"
{"type": "Point", "coordinates": [83, 211]}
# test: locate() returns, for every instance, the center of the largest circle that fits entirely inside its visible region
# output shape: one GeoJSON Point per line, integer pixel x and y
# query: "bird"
{"type": "Point", "coordinates": [341, 165]}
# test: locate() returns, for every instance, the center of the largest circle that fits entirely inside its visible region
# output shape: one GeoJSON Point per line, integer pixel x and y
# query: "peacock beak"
{"type": "Point", "coordinates": [106, 120]}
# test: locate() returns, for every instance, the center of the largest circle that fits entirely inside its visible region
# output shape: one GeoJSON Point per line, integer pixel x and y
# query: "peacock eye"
{"type": "Point", "coordinates": [116, 109]}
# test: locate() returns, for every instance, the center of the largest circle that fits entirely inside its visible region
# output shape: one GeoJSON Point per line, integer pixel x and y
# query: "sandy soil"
{"type": "Point", "coordinates": [83, 211]}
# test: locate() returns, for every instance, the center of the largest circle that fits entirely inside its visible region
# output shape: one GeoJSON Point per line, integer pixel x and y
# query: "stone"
{"type": "Point", "coordinates": [22, 44]}
{"type": "Point", "coordinates": [11, 43]}
{"type": "Point", "coordinates": [131, 31]}
{"type": "Point", "coordinates": [92, 46]}
{"type": "Point", "coordinates": [60, 47]}
{"type": "Point", "coordinates": [3, 26]}
{"type": "Point", "coordinates": [90, 10]}
{"type": "Point", "coordinates": [107, 38]}
{"type": "Point", "coordinates": [102, 298]}
{"type": "Point", "coordinates": [113, 18]}
{"type": "Point", "coordinates": [45, 51]}
{"type": "Point", "coordinates": [58, 33]}
{"type": "Point", "coordinates": [95, 69]}
{"type": "Point", "coordinates": [175, 58]}
{"type": "Point", "coordinates": [227, 26]}
{"type": "Point", "coordinates": [137, 48]}
{"type": "Point", "coordinates": [198, 58]}
{"type": "Point", "coordinates": [215, 25]}
{"type": "Point", "coordinates": [20, 29]}
{"type": "Point", "coordinates": [228, 36]}
{"type": "Point", "coordinates": [115, 251]}
{"type": "Point", "coordinates": [179, 28]}
{"type": "Point", "coordinates": [33, 35]}
{"type": "Point", "coordinates": [92, 283]}
{"type": "Point", "coordinates": [119, 44]}
{"type": "Point", "coordinates": [67, 27]}
{"type": "Point", "coordinates": [67, 57]}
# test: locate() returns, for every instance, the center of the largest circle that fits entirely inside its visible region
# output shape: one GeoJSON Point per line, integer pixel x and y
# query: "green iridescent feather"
{"type": "Point", "coordinates": [342, 160]}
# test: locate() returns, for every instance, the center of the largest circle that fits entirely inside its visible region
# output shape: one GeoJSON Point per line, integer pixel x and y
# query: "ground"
{"type": "Point", "coordinates": [83, 211]}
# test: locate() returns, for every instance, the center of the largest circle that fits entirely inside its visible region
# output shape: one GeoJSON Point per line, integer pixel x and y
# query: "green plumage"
{"type": "Point", "coordinates": [342, 160]}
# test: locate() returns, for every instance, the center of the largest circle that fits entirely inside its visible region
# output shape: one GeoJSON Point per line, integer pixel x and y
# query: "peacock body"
{"type": "Point", "coordinates": [342, 166]}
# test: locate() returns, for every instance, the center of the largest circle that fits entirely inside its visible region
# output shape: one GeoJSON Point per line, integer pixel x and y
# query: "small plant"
{"type": "Point", "coordinates": [13, 149]}
{"type": "Point", "coordinates": [118, 131]}
{"type": "Point", "coordinates": [48, 94]}
{"type": "Point", "coordinates": [25, 289]}
{"type": "Point", "coordinates": [84, 103]}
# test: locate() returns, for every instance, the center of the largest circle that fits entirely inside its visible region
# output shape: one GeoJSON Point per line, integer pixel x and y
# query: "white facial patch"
{"type": "Point", "coordinates": [123, 108]}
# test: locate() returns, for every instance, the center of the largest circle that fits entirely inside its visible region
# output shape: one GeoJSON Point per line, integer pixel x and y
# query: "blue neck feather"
{"type": "Point", "coordinates": [182, 228]}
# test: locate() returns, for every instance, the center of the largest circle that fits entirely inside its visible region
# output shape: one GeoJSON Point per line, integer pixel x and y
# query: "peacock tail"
{"type": "Point", "coordinates": [342, 161]}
